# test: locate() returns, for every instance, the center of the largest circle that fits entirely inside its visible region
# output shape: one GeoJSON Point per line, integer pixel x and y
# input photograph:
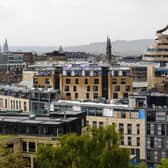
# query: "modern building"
{"type": "Point", "coordinates": [156, 135]}
{"type": "Point", "coordinates": [81, 82]}
{"type": "Point", "coordinates": [120, 82]}
{"type": "Point", "coordinates": [95, 82]}
{"type": "Point", "coordinates": [156, 75]}
{"type": "Point", "coordinates": [159, 51]}
{"type": "Point", "coordinates": [14, 99]}
{"type": "Point", "coordinates": [27, 100]}
{"type": "Point", "coordinates": [41, 100]}
{"type": "Point", "coordinates": [129, 121]}
{"type": "Point", "coordinates": [27, 132]}
{"type": "Point", "coordinates": [44, 79]}
{"type": "Point", "coordinates": [155, 106]}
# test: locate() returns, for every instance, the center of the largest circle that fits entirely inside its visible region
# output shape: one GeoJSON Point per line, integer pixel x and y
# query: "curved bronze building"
{"type": "Point", "coordinates": [159, 51]}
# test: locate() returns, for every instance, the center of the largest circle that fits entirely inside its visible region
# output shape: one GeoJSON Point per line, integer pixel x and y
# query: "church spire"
{"type": "Point", "coordinates": [108, 49]}
{"type": "Point", "coordinates": [109, 56]}
{"type": "Point", "coordinates": [5, 47]}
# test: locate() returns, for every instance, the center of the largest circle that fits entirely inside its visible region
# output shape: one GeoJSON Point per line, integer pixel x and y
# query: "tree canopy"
{"type": "Point", "coordinates": [164, 164]}
{"type": "Point", "coordinates": [9, 159]}
{"type": "Point", "coordinates": [98, 148]}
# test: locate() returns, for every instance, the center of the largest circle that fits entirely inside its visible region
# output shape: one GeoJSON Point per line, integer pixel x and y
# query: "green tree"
{"type": "Point", "coordinates": [9, 159]}
{"type": "Point", "coordinates": [98, 148]}
{"type": "Point", "coordinates": [143, 165]}
{"type": "Point", "coordinates": [164, 164]}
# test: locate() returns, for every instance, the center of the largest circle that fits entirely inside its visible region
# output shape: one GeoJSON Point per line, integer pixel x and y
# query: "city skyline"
{"type": "Point", "coordinates": [77, 22]}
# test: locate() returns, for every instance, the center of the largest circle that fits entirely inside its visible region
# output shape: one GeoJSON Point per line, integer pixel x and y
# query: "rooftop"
{"type": "Point", "coordinates": [66, 102]}
{"type": "Point", "coordinates": [36, 120]}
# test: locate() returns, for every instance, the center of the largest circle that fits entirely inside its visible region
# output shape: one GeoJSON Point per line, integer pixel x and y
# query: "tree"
{"type": "Point", "coordinates": [143, 165]}
{"type": "Point", "coordinates": [98, 148]}
{"type": "Point", "coordinates": [164, 164]}
{"type": "Point", "coordinates": [9, 159]}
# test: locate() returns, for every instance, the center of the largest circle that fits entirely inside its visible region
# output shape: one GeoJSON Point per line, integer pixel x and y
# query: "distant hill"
{"type": "Point", "coordinates": [120, 47]}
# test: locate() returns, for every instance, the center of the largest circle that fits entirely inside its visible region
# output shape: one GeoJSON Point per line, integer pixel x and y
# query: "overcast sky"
{"type": "Point", "coordinates": [76, 22]}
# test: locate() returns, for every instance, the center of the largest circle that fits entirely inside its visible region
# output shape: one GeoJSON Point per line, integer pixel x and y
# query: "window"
{"type": "Point", "coordinates": [95, 73]}
{"type": "Point", "coordinates": [138, 141]}
{"type": "Point", "coordinates": [121, 127]}
{"type": "Point", "coordinates": [122, 140]}
{"type": "Point", "coordinates": [86, 81]}
{"type": "Point", "coordinates": [148, 129]}
{"type": "Point", "coordinates": [138, 129]}
{"type": "Point", "coordinates": [68, 94]}
{"type": "Point", "coordinates": [123, 81]}
{"type": "Point", "coordinates": [101, 124]}
{"type": "Point", "coordinates": [76, 81]}
{"type": "Point", "coordinates": [127, 88]}
{"type": "Point", "coordinates": [77, 73]}
{"type": "Point", "coordinates": [87, 96]}
{"type": "Point", "coordinates": [152, 142]}
{"type": "Point", "coordinates": [16, 104]}
{"type": "Point", "coordinates": [117, 88]}
{"type": "Point", "coordinates": [68, 73]}
{"type": "Point", "coordinates": [47, 81]}
{"type": "Point", "coordinates": [133, 152]}
{"type": "Point", "coordinates": [95, 88]}
{"type": "Point", "coordinates": [115, 95]}
{"type": "Point", "coordinates": [123, 114]}
{"type": "Point", "coordinates": [116, 73]}
{"type": "Point", "coordinates": [32, 147]}
{"type": "Point", "coordinates": [25, 106]}
{"type": "Point", "coordinates": [114, 81]}
{"type": "Point", "coordinates": [35, 80]}
{"type": "Point", "coordinates": [74, 88]}
{"type": "Point", "coordinates": [6, 103]}
{"type": "Point", "coordinates": [94, 124]}
{"type": "Point", "coordinates": [124, 73]}
{"type": "Point", "coordinates": [1, 102]}
{"type": "Point", "coordinates": [24, 147]}
{"type": "Point", "coordinates": [129, 141]}
{"type": "Point", "coordinates": [20, 105]}
{"type": "Point", "coordinates": [125, 95]}
{"type": "Point", "coordinates": [66, 88]}
{"type": "Point", "coordinates": [129, 129]}
{"type": "Point", "coordinates": [96, 81]}
{"type": "Point", "coordinates": [87, 73]}
{"type": "Point", "coordinates": [88, 88]}
{"type": "Point", "coordinates": [163, 129]}
{"type": "Point", "coordinates": [68, 81]}
{"type": "Point", "coordinates": [95, 95]}
{"type": "Point", "coordinates": [76, 95]}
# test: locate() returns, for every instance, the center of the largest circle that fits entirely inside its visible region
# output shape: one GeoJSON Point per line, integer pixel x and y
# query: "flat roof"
{"type": "Point", "coordinates": [36, 120]}
{"type": "Point", "coordinates": [93, 104]}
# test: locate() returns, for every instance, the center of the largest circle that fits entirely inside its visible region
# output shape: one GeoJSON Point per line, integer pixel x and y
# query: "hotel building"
{"type": "Point", "coordinates": [81, 82]}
